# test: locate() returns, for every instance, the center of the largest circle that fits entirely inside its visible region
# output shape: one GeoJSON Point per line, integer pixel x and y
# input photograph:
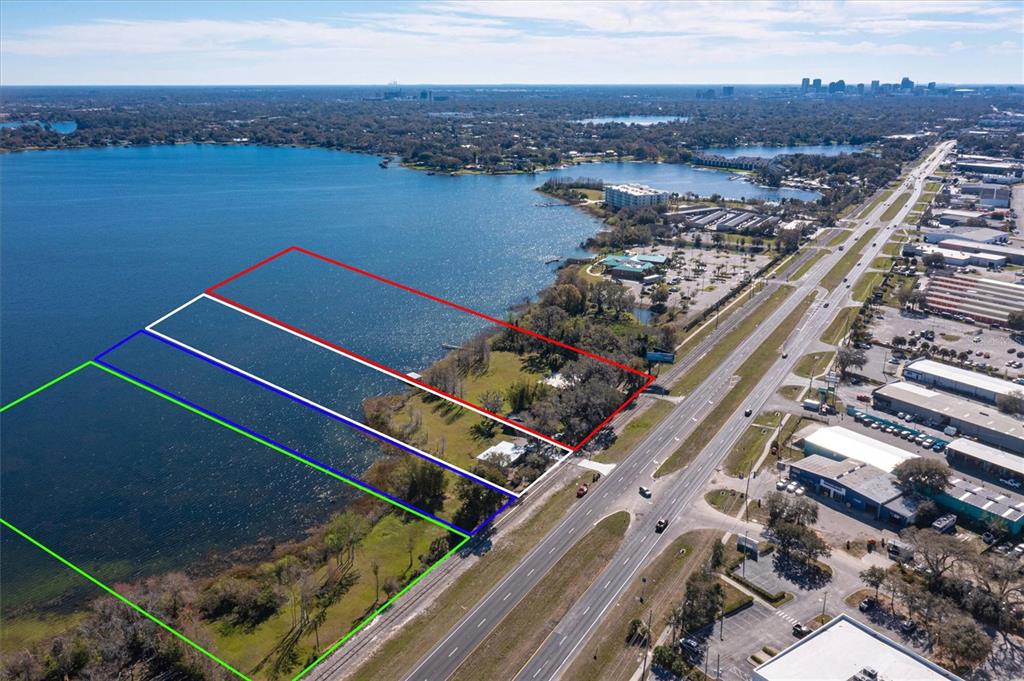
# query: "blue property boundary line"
{"type": "Point", "coordinates": [320, 410]}
{"type": "Point", "coordinates": [118, 344]}
{"type": "Point", "coordinates": [271, 441]}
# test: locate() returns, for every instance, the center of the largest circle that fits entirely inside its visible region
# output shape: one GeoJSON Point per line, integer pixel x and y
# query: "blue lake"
{"type": "Point", "coordinates": [97, 243]}
{"type": "Point", "coordinates": [63, 127]}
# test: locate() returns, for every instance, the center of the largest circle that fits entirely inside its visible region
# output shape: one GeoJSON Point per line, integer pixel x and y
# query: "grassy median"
{"type": "Point", "coordinates": [840, 326]}
{"type": "Point", "coordinates": [698, 374]}
{"type": "Point", "coordinates": [607, 654]}
{"type": "Point", "coordinates": [866, 285]}
{"type": "Point", "coordinates": [635, 430]}
{"type": "Point", "coordinates": [398, 654]}
{"type": "Point", "coordinates": [835, 276]}
{"type": "Point", "coordinates": [512, 643]}
{"type": "Point", "coordinates": [750, 373]}
{"type": "Point", "coordinates": [895, 207]}
{"type": "Point", "coordinates": [813, 364]}
{"type": "Point", "coordinates": [806, 267]}
{"type": "Point", "coordinates": [874, 204]}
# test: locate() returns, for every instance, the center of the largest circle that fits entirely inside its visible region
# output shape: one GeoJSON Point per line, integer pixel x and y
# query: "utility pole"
{"type": "Point", "coordinates": [824, 602]}
{"type": "Point", "coordinates": [743, 565]}
{"type": "Point", "coordinates": [721, 623]}
{"type": "Point", "coordinates": [647, 646]}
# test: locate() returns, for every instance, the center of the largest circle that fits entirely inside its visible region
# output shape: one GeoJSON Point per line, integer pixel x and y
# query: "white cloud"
{"type": "Point", "coordinates": [527, 41]}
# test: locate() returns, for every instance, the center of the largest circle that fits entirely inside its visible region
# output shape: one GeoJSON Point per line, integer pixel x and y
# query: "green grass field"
{"type": "Point", "coordinates": [390, 544]}
{"type": "Point", "coordinates": [813, 364]}
{"type": "Point", "coordinates": [442, 421]}
{"type": "Point", "coordinates": [866, 284]}
{"type": "Point", "coordinates": [840, 326]}
{"type": "Point", "coordinates": [746, 451]}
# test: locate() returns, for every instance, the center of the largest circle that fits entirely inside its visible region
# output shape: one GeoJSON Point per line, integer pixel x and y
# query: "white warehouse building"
{"type": "Point", "coordinates": [838, 443]}
{"type": "Point", "coordinates": [846, 650]}
{"type": "Point", "coordinates": [954, 379]}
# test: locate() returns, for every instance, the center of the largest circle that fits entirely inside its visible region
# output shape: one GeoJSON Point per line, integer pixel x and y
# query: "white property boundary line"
{"type": "Point", "coordinates": [396, 374]}
{"type": "Point", "coordinates": [346, 419]}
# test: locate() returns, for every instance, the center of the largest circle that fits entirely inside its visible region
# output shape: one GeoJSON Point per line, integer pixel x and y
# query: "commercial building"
{"type": "Point", "coordinates": [988, 194]}
{"type": "Point", "coordinates": [856, 484]}
{"type": "Point", "coordinates": [737, 162]}
{"type": "Point", "coordinates": [982, 299]}
{"type": "Point", "coordinates": [955, 257]}
{"type": "Point", "coordinates": [636, 267]}
{"type": "Point", "coordinates": [847, 650]}
{"type": "Point", "coordinates": [939, 410]}
{"type": "Point", "coordinates": [960, 217]}
{"type": "Point", "coordinates": [1010, 254]}
{"type": "Point", "coordinates": [995, 461]}
{"type": "Point", "coordinates": [838, 443]}
{"type": "Point", "coordinates": [955, 379]}
{"type": "Point", "coordinates": [987, 166]}
{"type": "Point", "coordinates": [982, 504]}
{"type": "Point", "coordinates": [634, 196]}
{"type": "Point", "coordinates": [982, 235]}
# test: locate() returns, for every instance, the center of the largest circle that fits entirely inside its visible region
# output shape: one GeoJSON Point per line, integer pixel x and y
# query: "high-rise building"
{"type": "Point", "coordinates": [728, 91]}
{"type": "Point", "coordinates": [860, 88]}
{"type": "Point", "coordinates": [874, 86]}
{"type": "Point", "coordinates": [931, 85]}
{"type": "Point", "coordinates": [805, 84]}
{"type": "Point", "coordinates": [906, 84]}
{"type": "Point", "coordinates": [817, 85]}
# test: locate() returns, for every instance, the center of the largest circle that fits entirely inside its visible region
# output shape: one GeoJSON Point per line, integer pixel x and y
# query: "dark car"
{"type": "Point", "coordinates": [868, 603]}
{"type": "Point", "coordinates": [908, 627]}
{"type": "Point", "coordinates": [800, 630]}
{"type": "Point", "coordinates": [661, 525]}
{"type": "Point", "coordinates": [748, 412]}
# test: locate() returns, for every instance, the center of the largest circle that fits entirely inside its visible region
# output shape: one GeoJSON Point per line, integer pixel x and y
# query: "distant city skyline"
{"type": "Point", "coordinates": [482, 42]}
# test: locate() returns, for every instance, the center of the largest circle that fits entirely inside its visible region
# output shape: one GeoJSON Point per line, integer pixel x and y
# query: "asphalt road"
{"type": "Point", "coordinates": [672, 495]}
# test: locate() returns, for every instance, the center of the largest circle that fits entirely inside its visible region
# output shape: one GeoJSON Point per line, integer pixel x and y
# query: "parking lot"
{"type": "Point", "coordinates": [986, 346]}
{"type": "Point", "coordinates": [699, 277]}
{"type": "Point", "coordinates": [972, 474]}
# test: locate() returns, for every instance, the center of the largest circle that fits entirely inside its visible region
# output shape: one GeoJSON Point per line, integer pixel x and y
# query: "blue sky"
{"type": "Point", "coordinates": [509, 41]}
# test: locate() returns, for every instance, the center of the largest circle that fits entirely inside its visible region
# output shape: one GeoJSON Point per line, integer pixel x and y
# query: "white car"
{"type": "Point", "coordinates": [791, 487]}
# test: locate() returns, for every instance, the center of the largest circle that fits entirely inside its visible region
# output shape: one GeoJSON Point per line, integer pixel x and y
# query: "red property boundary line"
{"type": "Point", "coordinates": [211, 291]}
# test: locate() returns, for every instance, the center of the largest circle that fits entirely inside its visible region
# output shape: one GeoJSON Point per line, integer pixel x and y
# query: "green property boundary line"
{"type": "Point", "coordinates": [53, 554]}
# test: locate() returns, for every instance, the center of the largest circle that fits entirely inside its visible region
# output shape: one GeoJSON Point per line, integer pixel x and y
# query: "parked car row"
{"type": "Point", "coordinates": [791, 486]}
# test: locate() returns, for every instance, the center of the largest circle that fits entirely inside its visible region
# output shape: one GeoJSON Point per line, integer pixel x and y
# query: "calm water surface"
{"type": "Point", "coordinates": [95, 244]}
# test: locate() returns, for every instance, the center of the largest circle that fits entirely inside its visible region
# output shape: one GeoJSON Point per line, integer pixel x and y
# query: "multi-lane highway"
{"type": "Point", "coordinates": [672, 494]}
{"type": "Point", "coordinates": [559, 648]}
